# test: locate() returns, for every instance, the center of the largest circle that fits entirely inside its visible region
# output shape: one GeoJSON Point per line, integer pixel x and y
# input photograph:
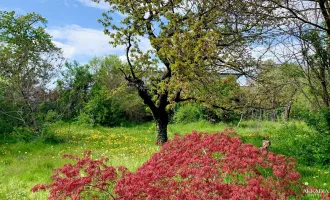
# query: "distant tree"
{"type": "Point", "coordinates": [112, 102]}
{"type": "Point", "coordinates": [302, 28]}
{"type": "Point", "coordinates": [74, 89]}
{"type": "Point", "coordinates": [28, 59]}
{"type": "Point", "coordinates": [190, 42]}
{"type": "Point", "coordinates": [274, 86]}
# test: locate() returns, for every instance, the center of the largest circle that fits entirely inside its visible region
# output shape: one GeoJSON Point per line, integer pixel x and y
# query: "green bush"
{"type": "Point", "coordinates": [6, 125]}
{"type": "Point", "coordinates": [22, 134]}
{"type": "Point", "coordinates": [84, 119]}
{"type": "Point", "coordinates": [191, 112]}
{"type": "Point", "coordinates": [27, 135]}
{"type": "Point", "coordinates": [319, 120]}
{"type": "Point", "coordinates": [308, 146]}
{"type": "Point", "coordinates": [49, 137]}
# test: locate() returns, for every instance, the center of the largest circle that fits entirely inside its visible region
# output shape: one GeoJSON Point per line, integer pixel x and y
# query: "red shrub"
{"type": "Point", "coordinates": [212, 166]}
{"type": "Point", "coordinates": [87, 178]}
{"type": "Point", "coordinates": [195, 166]}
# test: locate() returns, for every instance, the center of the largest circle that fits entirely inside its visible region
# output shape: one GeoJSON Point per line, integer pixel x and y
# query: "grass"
{"type": "Point", "coordinates": [24, 164]}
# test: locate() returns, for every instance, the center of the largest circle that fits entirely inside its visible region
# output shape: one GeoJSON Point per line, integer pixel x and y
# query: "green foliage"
{"type": "Point", "coordinates": [84, 119]}
{"type": "Point", "coordinates": [27, 135]}
{"type": "Point", "coordinates": [27, 63]}
{"type": "Point", "coordinates": [73, 89]}
{"type": "Point", "coordinates": [113, 110]}
{"type": "Point", "coordinates": [320, 120]}
{"type": "Point", "coordinates": [51, 116]}
{"type": "Point", "coordinates": [187, 113]}
{"type": "Point", "coordinates": [192, 42]}
{"type": "Point", "coordinates": [299, 141]}
{"type": "Point", "coordinates": [5, 126]}
{"type": "Point", "coordinates": [22, 134]}
{"type": "Point", "coordinates": [94, 94]}
{"type": "Point", "coordinates": [193, 112]}
{"type": "Point", "coordinates": [48, 136]}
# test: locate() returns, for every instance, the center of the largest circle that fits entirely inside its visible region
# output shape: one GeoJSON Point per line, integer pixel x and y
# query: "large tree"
{"type": "Point", "coordinates": [27, 62]}
{"type": "Point", "coordinates": [192, 42]}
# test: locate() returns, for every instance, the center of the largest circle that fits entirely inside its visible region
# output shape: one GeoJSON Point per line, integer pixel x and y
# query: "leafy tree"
{"type": "Point", "coordinates": [28, 59]}
{"type": "Point", "coordinates": [190, 40]}
{"type": "Point", "coordinates": [74, 88]}
{"type": "Point", "coordinates": [112, 102]}
{"type": "Point", "coordinates": [303, 29]}
{"type": "Point", "coordinates": [95, 94]}
{"type": "Point", "coordinates": [274, 86]}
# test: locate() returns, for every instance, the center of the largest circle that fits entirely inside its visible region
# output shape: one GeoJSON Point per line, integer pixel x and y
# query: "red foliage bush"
{"type": "Point", "coordinates": [87, 178]}
{"type": "Point", "coordinates": [195, 166]}
{"type": "Point", "coordinates": [212, 166]}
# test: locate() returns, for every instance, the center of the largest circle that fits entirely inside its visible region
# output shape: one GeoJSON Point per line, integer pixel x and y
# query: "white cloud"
{"type": "Point", "coordinates": [78, 42]}
{"type": "Point", "coordinates": [101, 5]}
{"type": "Point", "coordinates": [68, 51]}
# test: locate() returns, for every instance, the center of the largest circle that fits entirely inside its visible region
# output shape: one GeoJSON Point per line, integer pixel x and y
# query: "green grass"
{"type": "Point", "coordinates": [24, 164]}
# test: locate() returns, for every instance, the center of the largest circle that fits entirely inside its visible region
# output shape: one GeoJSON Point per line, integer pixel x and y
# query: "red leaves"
{"type": "Point", "coordinates": [211, 166]}
{"type": "Point", "coordinates": [86, 178]}
{"type": "Point", "coordinates": [195, 166]}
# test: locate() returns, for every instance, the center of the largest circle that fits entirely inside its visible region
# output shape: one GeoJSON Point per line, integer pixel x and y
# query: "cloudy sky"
{"type": "Point", "coordinates": [73, 26]}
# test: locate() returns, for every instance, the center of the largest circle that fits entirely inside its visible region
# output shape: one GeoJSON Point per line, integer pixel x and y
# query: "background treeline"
{"type": "Point", "coordinates": [38, 87]}
{"type": "Point", "coordinates": [97, 94]}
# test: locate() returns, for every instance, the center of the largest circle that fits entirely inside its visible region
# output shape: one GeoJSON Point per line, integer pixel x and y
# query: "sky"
{"type": "Point", "coordinates": [73, 25]}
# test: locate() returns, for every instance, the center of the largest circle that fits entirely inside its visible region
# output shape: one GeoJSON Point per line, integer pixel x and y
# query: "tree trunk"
{"type": "Point", "coordinates": [325, 94]}
{"type": "Point", "coordinates": [35, 123]}
{"type": "Point", "coordinates": [287, 111]}
{"type": "Point", "coordinates": [161, 119]}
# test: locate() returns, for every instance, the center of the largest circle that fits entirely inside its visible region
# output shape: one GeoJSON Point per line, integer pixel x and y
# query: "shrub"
{"type": "Point", "coordinates": [195, 166]}
{"type": "Point", "coordinates": [84, 119]}
{"type": "Point", "coordinates": [85, 178]}
{"type": "Point", "coordinates": [191, 112]}
{"type": "Point", "coordinates": [212, 166]}
{"type": "Point", "coordinates": [319, 120]}
{"type": "Point", "coordinates": [22, 134]}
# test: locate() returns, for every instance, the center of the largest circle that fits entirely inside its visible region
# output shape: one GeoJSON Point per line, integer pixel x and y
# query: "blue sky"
{"type": "Point", "coordinates": [73, 26]}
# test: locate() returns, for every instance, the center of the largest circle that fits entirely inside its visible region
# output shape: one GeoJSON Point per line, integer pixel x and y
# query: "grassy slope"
{"type": "Point", "coordinates": [23, 165]}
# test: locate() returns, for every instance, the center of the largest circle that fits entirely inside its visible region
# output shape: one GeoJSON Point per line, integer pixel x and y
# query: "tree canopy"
{"type": "Point", "coordinates": [27, 62]}
{"type": "Point", "coordinates": [192, 42]}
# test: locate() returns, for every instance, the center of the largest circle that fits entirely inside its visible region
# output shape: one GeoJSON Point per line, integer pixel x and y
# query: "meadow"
{"type": "Point", "coordinates": [25, 162]}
